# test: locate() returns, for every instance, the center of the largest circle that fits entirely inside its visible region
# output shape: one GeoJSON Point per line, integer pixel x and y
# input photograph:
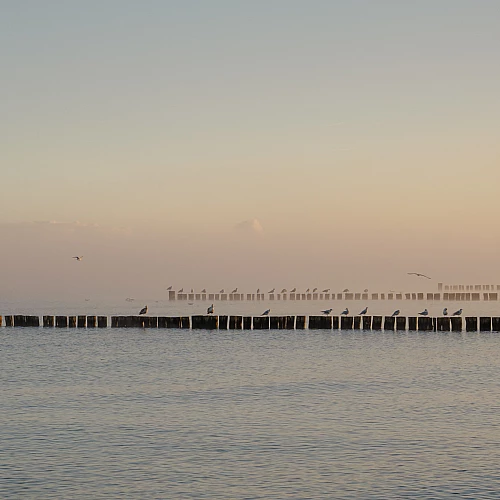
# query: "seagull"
{"type": "Point", "coordinates": [457, 313]}
{"type": "Point", "coordinates": [293, 291]}
{"type": "Point", "coordinates": [210, 310]}
{"type": "Point", "coordinates": [445, 311]}
{"type": "Point", "coordinates": [421, 275]}
{"type": "Point", "coordinates": [345, 312]}
{"type": "Point", "coordinates": [266, 312]}
{"type": "Point", "coordinates": [307, 291]}
{"type": "Point", "coordinates": [364, 311]}
{"type": "Point", "coordinates": [181, 290]}
{"type": "Point", "coordinates": [192, 290]}
{"type": "Point", "coordinates": [327, 312]}
{"type": "Point", "coordinates": [395, 313]}
{"type": "Point", "coordinates": [271, 291]}
{"type": "Point", "coordinates": [345, 290]}
{"type": "Point", "coordinates": [284, 290]}
{"type": "Point", "coordinates": [203, 291]}
{"type": "Point", "coordinates": [170, 287]}
{"type": "Point", "coordinates": [222, 291]}
{"type": "Point", "coordinates": [315, 290]}
{"type": "Point", "coordinates": [326, 290]}
{"type": "Point", "coordinates": [365, 290]}
{"type": "Point", "coordinates": [144, 310]}
{"type": "Point", "coordinates": [235, 290]}
{"type": "Point", "coordinates": [78, 257]}
{"type": "Point", "coordinates": [425, 312]}
{"type": "Point", "coordinates": [258, 290]}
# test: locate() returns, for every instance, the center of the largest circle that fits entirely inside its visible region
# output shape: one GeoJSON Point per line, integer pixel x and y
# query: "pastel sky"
{"type": "Point", "coordinates": [363, 136]}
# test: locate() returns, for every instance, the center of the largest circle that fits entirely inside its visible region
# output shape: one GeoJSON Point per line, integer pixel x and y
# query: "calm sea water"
{"type": "Point", "coordinates": [136, 413]}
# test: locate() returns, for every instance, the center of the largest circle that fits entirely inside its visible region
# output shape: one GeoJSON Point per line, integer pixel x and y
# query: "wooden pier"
{"type": "Point", "coordinates": [212, 322]}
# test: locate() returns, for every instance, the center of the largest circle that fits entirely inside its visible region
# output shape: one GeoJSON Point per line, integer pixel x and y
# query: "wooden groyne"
{"type": "Point", "coordinates": [212, 322]}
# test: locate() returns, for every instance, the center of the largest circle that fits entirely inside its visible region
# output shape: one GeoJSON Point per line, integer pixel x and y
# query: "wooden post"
{"type": "Point", "coordinates": [48, 321]}
{"type": "Point", "coordinates": [335, 322]}
{"type": "Point", "coordinates": [356, 323]}
{"type": "Point", "coordinates": [235, 322]}
{"type": "Point", "coordinates": [389, 323]}
{"type": "Point", "coordinates": [72, 321]}
{"type": "Point", "coordinates": [223, 322]}
{"type": "Point", "coordinates": [61, 321]}
{"type": "Point", "coordinates": [205, 322]}
{"type": "Point", "coordinates": [425, 324]}
{"type": "Point", "coordinates": [247, 323]}
{"type": "Point", "coordinates": [162, 322]}
{"type": "Point", "coordinates": [367, 322]}
{"type": "Point", "coordinates": [19, 320]}
{"type": "Point", "coordinates": [400, 323]}
{"type": "Point", "coordinates": [9, 320]}
{"type": "Point", "coordinates": [174, 322]}
{"type": "Point", "coordinates": [444, 324]}
{"type": "Point", "coordinates": [377, 323]}
{"type": "Point", "coordinates": [399, 296]}
{"type": "Point", "coordinates": [456, 324]}
{"type": "Point", "coordinates": [390, 296]}
{"type": "Point", "coordinates": [277, 322]}
{"type": "Point", "coordinates": [82, 321]}
{"type": "Point", "coordinates": [495, 324]}
{"type": "Point", "coordinates": [185, 322]}
{"type": "Point", "coordinates": [261, 323]}
{"type": "Point", "coordinates": [300, 323]}
{"type": "Point", "coordinates": [407, 296]}
{"type": "Point", "coordinates": [320, 322]}
{"type": "Point", "coordinates": [102, 321]}
{"type": "Point", "coordinates": [412, 323]}
{"type": "Point", "coordinates": [471, 324]}
{"type": "Point", "coordinates": [484, 324]}
{"type": "Point", "coordinates": [292, 296]}
{"type": "Point", "coordinates": [374, 296]}
{"type": "Point", "coordinates": [430, 296]}
{"type": "Point", "coordinates": [357, 296]}
{"type": "Point", "coordinates": [382, 296]}
{"type": "Point", "coordinates": [171, 295]}
{"type": "Point", "coordinates": [91, 321]}
{"type": "Point", "coordinates": [346, 322]}
{"type": "Point", "coordinates": [289, 322]}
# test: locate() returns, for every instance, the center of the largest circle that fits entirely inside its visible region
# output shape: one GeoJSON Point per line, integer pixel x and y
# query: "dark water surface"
{"type": "Point", "coordinates": [280, 414]}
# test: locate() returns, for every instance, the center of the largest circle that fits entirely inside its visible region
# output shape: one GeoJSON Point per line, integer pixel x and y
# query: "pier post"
{"type": "Point", "coordinates": [82, 321]}
{"type": "Point", "coordinates": [377, 323]}
{"type": "Point", "coordinates": [91, 321]}
{"type": "Point", "coordinates": [470, 324]}
{"type": "Point", "coordinates": [356, 323]}
{"type": "Point", "coordinates": [495, 324]}
{"type": "Point", "coordinates": [235, 322]}
{"type": "Point", "coordinates": [247, 322]}
{"type": "Point", "coordinates": [335, 322]}
{"type": "Point", "coordinates": [444, 324]}
{"type": "Point", "coordinates": [300, 323]}
{"type": "Point", "coordinates": [102, 321]}
{"type": "Point", "coordinates": [200, 322]}
{"type": "Point", "coordinates": [185, 322]}
{"type": "Point", "coordinates": [19, 320]}
{"type": "Point", "coordinates": [346, 322]}
{"type": "Point", "coordinates": [412, 323]}
{"type": "Point", "coordinates": [289, 322]}
{"type": "Point", "coordinates": [48, 321]}
{"type": "Point", "coordinates": [162, 322]}
{"type": "Point", "coordinates": [485, 324]}
{"type": "Point", "coordinates": [173, 322]}
{"type": "Point", "coordinates": [425, 324]}
{"type": "Point", "coordinates": [72, 321]}
{"type": "Point", "coordinates": [223, 322]}
{"type": "Point", "coordinates": [9, 320]}
{"type": "Point", "coordinates": [389, 323]}
{"type": "Point", "coordinates": [401, 323]}
{"type": "Point", "coordinates": [61, 321]}
{"type": "Point", "coordinates": [456, 324]}
{"type": "Point", "coordinates": [320, 322]}
{"type": "Point", "coordinates": [261, 323]}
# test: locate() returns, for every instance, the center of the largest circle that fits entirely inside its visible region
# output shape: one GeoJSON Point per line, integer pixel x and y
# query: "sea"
{"type": "Point", "coordinates": [251, 414]}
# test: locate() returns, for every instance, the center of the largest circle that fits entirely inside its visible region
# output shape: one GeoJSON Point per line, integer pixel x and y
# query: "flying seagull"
{"type": "Point", "coordinates": [266, 312]}
{"type": "Point", "coordinates": [445, 311]}
{"type": "Point", "coordinates": [425, 312]}
{"type": "Point", "coordinates": [458, 313]}
{"type": "Point", "coordinates": [345, 312]}
{"type": "Point", "coordinates": [327, 312]}
{"type": "Point", "coordinates": [364, 311]}
{"type": "Point", "coordinates": [421, 275]}
{"type": "Point", "coordinates": [395, 313]}
{"type": "Point", "coordinates": [78, 257]}
{"type": "Point", "coordinates": [210, 310]}
{"type": "Point", "coordinates": [144, 310]}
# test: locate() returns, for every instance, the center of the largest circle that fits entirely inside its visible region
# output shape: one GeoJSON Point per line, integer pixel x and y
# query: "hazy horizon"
{"type": "Point", "coordinates": [229, 144]}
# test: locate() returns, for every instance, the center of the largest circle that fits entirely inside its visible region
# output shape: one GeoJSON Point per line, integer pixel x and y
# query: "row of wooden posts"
{"type": "Point", "coordinates": [240, 297]}
{"type": "Point", "coordinates": [421, 323]}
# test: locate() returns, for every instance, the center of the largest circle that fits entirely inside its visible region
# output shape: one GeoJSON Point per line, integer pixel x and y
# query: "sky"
{"type": "Point", "coordinates": [264, 143]}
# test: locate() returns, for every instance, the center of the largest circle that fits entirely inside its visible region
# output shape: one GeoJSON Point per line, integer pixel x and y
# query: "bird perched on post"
{"type": "Point", "coordinates": [258, 290]}
{"type": "Point", "coordinates": [315, 290]}
{"type": "Point", "coordinates": [293, 291]}
{"type": "Point", "coordinates": [345, 312]}
{"type": "Point", "coordinates": [327, 312]}
{"type": "Point", "coordinates": [445, 311]}
{"type": "Point", "coordinates": [326, 290]}
{"type": "Point", "coordinates": [204, 291]}
{"type": "Point", "coordinates": [364, 311]}
{"type": "Point", "coordinates": [425, 312]}
{"type": "Point", "coordinates": [169, 288]}
{"type": "Point", "coordinates": [395, 313]}
{"type": "Point", "coordinates": [457, 313]}
{"type": "Point", "coordinates": [210, 309]}
{"type": "Point", "coordinates": [271, 291]}
{"type": "Point", "coordinates": [222, 291]}
{"type": "Point", "coordinates": [266, 312]}
{"type": "Point", "coordinates": [307, 291]}
{"type": "Point", "coordinates": [181, 290]}
{"type": "Point", "coordinates": [345, 290]}
{"type": "Point", "coordinates": [235, 290]}
{"type": "Point", "coordinates": [284, 290]}
{"type": "Point", "coordinates": [144, 310]}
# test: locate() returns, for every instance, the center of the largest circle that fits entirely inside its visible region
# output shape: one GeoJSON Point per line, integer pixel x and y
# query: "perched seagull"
{"type": "Point", "coordinates": [445, 311]}
{"type": "Point", "coordinates": [203, 291]}
{"type": "Point", "coordinates": [210, 310]}
{"type": "Point", "coordinates": [307, 291]}
{"type": "Point", "coordinates": [345, 290]}
{"type": "Point", "coordinates": [420, 274]}
{"type": "Point", "coordinates": [326, 290]}
{"type": "Point", "coordinates": [222, 291]}
{"type": "Point", "coordinates": [266, 312]}
{"type": "Point", "coordinates": [78, 257]}
{"type": "Point", "coordinates": [327, 312]}
{"type": "Point", "coordinates": [258, 290]}
{"type": "Point", "coordinates": [271, 291]}
{"type": "Point", "coordinates": [192, 290]}
{"type": "Point", "coordinates": [181, 290]}
{"type": "Point", "coordinates": [395, 313]}
{"type": "Point", "coordinates": [284, 290]}
{"type": "Point", "coordinates": [235, 290]}
{"type": "Point", "coordinates": [425, 312]}
{"type": "Point", "coordinates": [170, 287]}
{"type": "Point", "coordinates": [364, 311]}
{"type": "Point", "coordinates": [144, 310]}
{"type": "Point", "coordinates": [365, 290]}
{"type": "Point", "coordinates": [458, 313]}
{"type": "Point", "coordinates": [345, 312]}
{"type": "Point", "coordinates": [293, 291]}
{"type": "Point", "coordinates": [315, 290]}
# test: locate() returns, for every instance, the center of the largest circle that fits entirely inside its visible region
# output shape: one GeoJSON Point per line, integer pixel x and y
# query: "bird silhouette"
{"type": "Point", "coordinates": [395, 313]}
{"type": "Point", "coordinates": [307, 291]}
{"type": "Point", "coordinates": [181, 290]}
{"type": "Point", "coordinates": [420, 275]}
{"type": "Point", "coordinates": [458, 313]}
{"type": "Point", "coordinates": [144, 310]}
{"type": "Point", "coordinates": [170, 287]}
{"type": "Point", "coordinates": [326, 290]}
{"type": "Point", "coordinates": [258, 290]}
{"type": "Point", "coordinates": [271, 291]}
{"type": "Point", "coordinates": [222, 291]}
{"type": "Point", "coordinates": [345, 312]}
{"type": "Point", "coordinates": [345, 290]}
{"type": "Point", "coordinates": [315, 290]}
{"type": "Point", "coordinates": [327, 312]}
{"type": "Point", "coordinates": [203, 291]}
{"type": "Point", "coordinates": [445, 311]}
{"type": "Point", "coordinates": [364, 311]}
{"type": "Point", "coordinates": [235, 290]}
{"type": "Point", "coordinates": [266, 312]}
{"type": "Point", "coordinates": [293, 291]}
{"type": "Point", "coordinates": [425, 312]}
{"type": "Point", "coordinates": [210, 309]}
{"type": "Point", "coordinates": [365, 290]}
{"type": "Point", "coordinates": [284, 290]}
